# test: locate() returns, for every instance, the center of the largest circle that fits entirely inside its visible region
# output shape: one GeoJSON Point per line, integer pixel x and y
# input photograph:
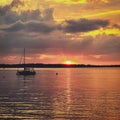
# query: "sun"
{"type": "Point", "coordinates": [68, 62]}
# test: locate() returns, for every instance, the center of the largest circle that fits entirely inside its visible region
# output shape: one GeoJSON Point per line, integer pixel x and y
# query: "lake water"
{"type": "Point", "coordinates": [73, 94]}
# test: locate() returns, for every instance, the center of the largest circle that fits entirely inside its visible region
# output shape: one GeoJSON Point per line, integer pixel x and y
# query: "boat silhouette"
{"type": "Point", "coordinates": [26, 70]}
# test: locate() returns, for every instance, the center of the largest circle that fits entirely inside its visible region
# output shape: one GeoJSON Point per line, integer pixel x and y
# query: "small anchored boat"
{"type": "Point", "coordinates": [26, 70]}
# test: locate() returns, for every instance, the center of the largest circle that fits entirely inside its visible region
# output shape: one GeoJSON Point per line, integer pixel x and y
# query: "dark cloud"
{"type": "Point", "coordinates": [100, 45]}
{"type": "Point", "coordinates": [7, 16]}
{"type": "Point", "coordinates": [33, 21]}
{"type": "Point", "coordinates": [32, 26]}
{"type": "Point", "coordinates": [106, 44]}
{"type": "Point", "coordinates": [30, 21]}
{"type": "Point", "coordinates": [7, 8]}
{"type": "Point", "coordinates": [14, 27]}
{"type": "Point", "coordinates": [38, 44]}
{"type": "Point", "coordinates": [12, 17]}
{"type": "Point", "coordinates": [39, 27]}
{"type": "Point", "coordinates": [84, 25]}
{"type": "Point", "coordinates": [30, 15]}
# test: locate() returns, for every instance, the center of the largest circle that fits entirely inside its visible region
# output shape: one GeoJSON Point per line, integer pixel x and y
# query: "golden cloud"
{"type": "Point", "coordinates": [71, 1]}
{"type": "Point", "coordinates": [5, 2]}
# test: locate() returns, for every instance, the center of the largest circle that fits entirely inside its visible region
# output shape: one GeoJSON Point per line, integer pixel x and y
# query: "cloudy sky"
{"type": "Point", "coordinates": [55, 31]}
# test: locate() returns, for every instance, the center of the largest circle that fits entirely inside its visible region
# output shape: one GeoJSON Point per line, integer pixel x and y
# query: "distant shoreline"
{"type": "Point", "coordinates": [54, 65]}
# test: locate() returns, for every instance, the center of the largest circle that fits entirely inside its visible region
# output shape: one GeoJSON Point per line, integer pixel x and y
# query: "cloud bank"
{"type": "Point", "coordinates": [37, 30]}
{"type": "Point", "coordinates": [85, 25]}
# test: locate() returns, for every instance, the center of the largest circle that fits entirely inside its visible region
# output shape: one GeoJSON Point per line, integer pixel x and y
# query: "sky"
{"type": "Point", "coordinates": [58, 31]}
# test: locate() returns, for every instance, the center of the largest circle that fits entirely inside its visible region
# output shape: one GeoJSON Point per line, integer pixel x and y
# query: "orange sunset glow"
{"type": "Point", "coordinates": [83, 31]}
{"type": "Point", "coordinates": [69, 62]}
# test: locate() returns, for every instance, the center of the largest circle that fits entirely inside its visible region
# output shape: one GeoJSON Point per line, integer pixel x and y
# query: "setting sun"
{"type": "Point", "coordinates": [68, 62]}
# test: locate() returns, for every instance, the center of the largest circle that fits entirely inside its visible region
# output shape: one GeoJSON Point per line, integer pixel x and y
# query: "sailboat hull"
{"type": "Point", "coordinates": [23, 72]}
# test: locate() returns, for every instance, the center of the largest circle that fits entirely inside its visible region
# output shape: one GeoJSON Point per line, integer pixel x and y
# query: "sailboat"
{"type": "Point", "coordinates": [26, 70]}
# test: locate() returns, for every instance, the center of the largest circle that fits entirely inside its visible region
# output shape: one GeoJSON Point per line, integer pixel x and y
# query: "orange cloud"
{"type": "Point", "coordinates": [94, 1]}
{"type": "Point", "coordinates": [71, 1]}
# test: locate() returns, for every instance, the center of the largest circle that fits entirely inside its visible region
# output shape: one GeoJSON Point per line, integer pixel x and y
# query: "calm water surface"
{"type": "Point", "coordinates": [73, 94]}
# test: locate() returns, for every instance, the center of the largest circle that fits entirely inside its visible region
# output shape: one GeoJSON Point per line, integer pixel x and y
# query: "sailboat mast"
{"type": "Point", "coordinates": [24, 58]}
